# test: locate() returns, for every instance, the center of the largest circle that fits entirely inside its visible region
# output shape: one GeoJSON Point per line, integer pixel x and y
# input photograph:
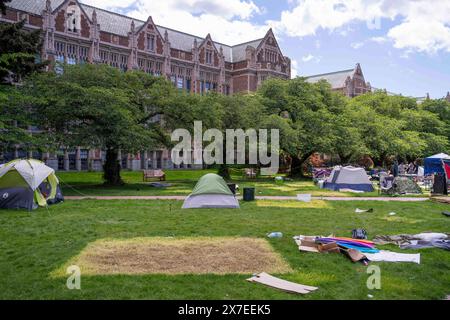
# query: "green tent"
{"type": "Point", "coordinates": [404, 185]}
{"type": "Point", "coordinates": [211, 184]}
{"type": "Point", "coordinates": [211, 191]}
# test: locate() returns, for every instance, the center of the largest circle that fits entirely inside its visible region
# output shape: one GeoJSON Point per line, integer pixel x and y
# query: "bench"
{"type": "Point", "coordinates": [250, 172]}
{"type": "Point", "coordinates": [154, 174]}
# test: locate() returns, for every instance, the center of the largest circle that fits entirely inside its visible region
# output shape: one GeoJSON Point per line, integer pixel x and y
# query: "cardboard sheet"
{"type": "Point", "coordinates": [281, 284]}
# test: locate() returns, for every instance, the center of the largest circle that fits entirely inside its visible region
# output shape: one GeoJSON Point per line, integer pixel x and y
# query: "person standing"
{"type": "Point", "coordinates": [402, 168]}
{"type": "Point", "coordinates": [394, 169]}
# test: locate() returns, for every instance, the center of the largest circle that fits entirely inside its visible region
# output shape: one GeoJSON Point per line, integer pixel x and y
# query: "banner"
{"type": "Point", "coordinates": [446, 165]}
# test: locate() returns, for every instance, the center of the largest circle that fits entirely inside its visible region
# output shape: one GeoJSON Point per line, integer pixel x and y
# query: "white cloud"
{"type": "Point", "coordinates": [405, 54]}
{"type": "Point", "coordinates": [424, 24]}
{"type": "Point", "coordinates": [308, 16]}
{"type": "Point", "coordinates": [227, 21]}
{"type": "Point", "coordinates": [357, 45]}
{"type": "Point", "coordinates": [420, 25]}
{"type": "Point", "coordinates": [416, 35]}
{"type": "Point", "coordinates": [379, 40]}
{"type": "Point", "coordinates": [310, 57]}
{"type": "Point", "coordinates": [294, 68]}
{"type": "Point", "coordinates": [307, 58]}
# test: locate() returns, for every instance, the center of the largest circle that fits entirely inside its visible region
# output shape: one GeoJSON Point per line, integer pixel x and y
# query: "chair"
{"type": "Point", "coordinates": [386, 182]}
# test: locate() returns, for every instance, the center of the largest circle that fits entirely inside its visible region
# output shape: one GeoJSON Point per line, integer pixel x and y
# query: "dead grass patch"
{"type": "Point", "coordinates": [180, 256]}
{"type": "Point", "coordinates": [316, 204]}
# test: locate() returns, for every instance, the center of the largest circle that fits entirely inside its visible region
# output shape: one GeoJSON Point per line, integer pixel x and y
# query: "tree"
{"type": "Point", "coordinates": [97, 106]}
{"type": "Point", "coordinates": [395, 126]}
{"type": "Point", "coordinates": [312, 111]}
{"type": "Point", "coordinates": [19, 52]}
{"type": "Point", "coordinates": [3, 5]}
{"type": "Point", "coordinates": [440, 108]}
{"type": "Point", "coordinates": [14, 120]}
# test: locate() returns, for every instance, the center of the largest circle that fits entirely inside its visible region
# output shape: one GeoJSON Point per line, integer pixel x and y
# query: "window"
{"type": "Point", "coordinates": [73, 18]}
{"type": "Point", "coordinates": [114, 60]}
{"type": "Point", "coordinates": [60, 52]}
{"type": "Point", "coordinates": [123, 62]}
{"type": "Point", "coordinates": [72, 54]}
{"type": "Point", "coordinates": [209, 57]}
{"type": "Point", "coordinates": [84, 54]}
{"type": "Point", "coordinates": [71, 22]}
{"type": "Point", "coordinates": [271, 56]}
{"type": "Point", "coordinates": [141, 63]}
{"type": "Point", "coordinates": [149, 67]}
{"type": "Point", "coordinates": [23, 16]}
{"type": "Point", "coordinates": [180, 83]}
{"type": "Point", "coordinates": [151, 42]}
{"type": "Point", "coordinates": [158, 68]}
{"type": "Point", "coordinates": [104, 56]}
{"type": "Point", "coordinates": [188, 84]}
{"type": "Point", "coordinates": [60, 48]}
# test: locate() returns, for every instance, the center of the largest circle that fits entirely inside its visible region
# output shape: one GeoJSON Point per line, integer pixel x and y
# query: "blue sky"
{"type": "Point", "coordinates": [402, 45]}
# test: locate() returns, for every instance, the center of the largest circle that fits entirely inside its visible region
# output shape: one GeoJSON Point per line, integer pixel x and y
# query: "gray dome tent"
{"type": "Point", "coordinates": [348, 178]}
{"type": "Point", "coordinates": [211, 191]}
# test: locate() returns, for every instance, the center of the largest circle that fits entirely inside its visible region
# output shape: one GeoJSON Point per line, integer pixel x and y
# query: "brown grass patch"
{"type": "Point", "coordinates": [180, 256]}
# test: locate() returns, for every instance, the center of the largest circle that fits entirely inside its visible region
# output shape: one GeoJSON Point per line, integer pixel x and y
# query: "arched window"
{"type": "Point", "coordinates": [73, 18]}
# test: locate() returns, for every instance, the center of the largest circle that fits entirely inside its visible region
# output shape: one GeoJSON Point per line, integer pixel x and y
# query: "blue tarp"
{"type": "Point", "coordinates": [433, 164]}
{"type": "Point", "coordinates": [357, 187]}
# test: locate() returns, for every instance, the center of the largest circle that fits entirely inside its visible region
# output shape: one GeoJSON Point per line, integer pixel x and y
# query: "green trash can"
{"type": "Point", "coordinates": [249, 194]}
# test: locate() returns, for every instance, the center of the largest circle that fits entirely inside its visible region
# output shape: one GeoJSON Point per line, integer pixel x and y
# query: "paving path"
{"type": "Point", "coordinates": [281, 198]}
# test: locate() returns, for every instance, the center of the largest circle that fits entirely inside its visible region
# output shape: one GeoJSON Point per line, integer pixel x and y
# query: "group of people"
{"type": "Point", "coordinates": [404, 168]}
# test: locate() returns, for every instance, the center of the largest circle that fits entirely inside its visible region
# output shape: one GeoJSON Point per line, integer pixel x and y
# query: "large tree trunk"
{"type": "Point", "coordinates": [224, 171]}
{"type": "Point", "coordinates": [111, 168]}
{"type": "Point", "coordinates": [345, 159]}
{"type": "Point", "coordinates": [296, 165]}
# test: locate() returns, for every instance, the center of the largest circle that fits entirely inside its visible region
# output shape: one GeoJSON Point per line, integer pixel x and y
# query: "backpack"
{"type": "Point", "coordinates": [359, 234]}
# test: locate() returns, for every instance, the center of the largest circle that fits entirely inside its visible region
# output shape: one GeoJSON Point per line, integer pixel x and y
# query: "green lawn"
{"type": "Point", "coordinates": [183, 181]}
{"type": "Point", "coordinates": [34, 245]}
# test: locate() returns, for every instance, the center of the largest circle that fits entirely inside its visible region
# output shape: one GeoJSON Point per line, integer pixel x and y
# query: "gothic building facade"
{"type": "Point", "coordinates": [77, 33]}
{"type": "Point", "coordinates": [350, 82]}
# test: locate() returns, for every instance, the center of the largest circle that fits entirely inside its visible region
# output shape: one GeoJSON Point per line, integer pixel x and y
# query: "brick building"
{"type": "Point", "coordinates": [77, 33]}
{"type": "Point", "coordinates": [350, 82]}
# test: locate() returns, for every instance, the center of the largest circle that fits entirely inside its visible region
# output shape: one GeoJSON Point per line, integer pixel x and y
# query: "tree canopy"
{"type": "Point", "coordinates": [3, 5]}
{"type": "Point", "coordinates": [19, 52]}
{"type": "Point", "coordinates": [97, 106]}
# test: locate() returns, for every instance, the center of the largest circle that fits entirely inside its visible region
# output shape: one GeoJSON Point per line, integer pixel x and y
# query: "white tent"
{"type": "Point", "coordinates": [348, 178]}
{"type": "Point", "coordinates": [32, 171]}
